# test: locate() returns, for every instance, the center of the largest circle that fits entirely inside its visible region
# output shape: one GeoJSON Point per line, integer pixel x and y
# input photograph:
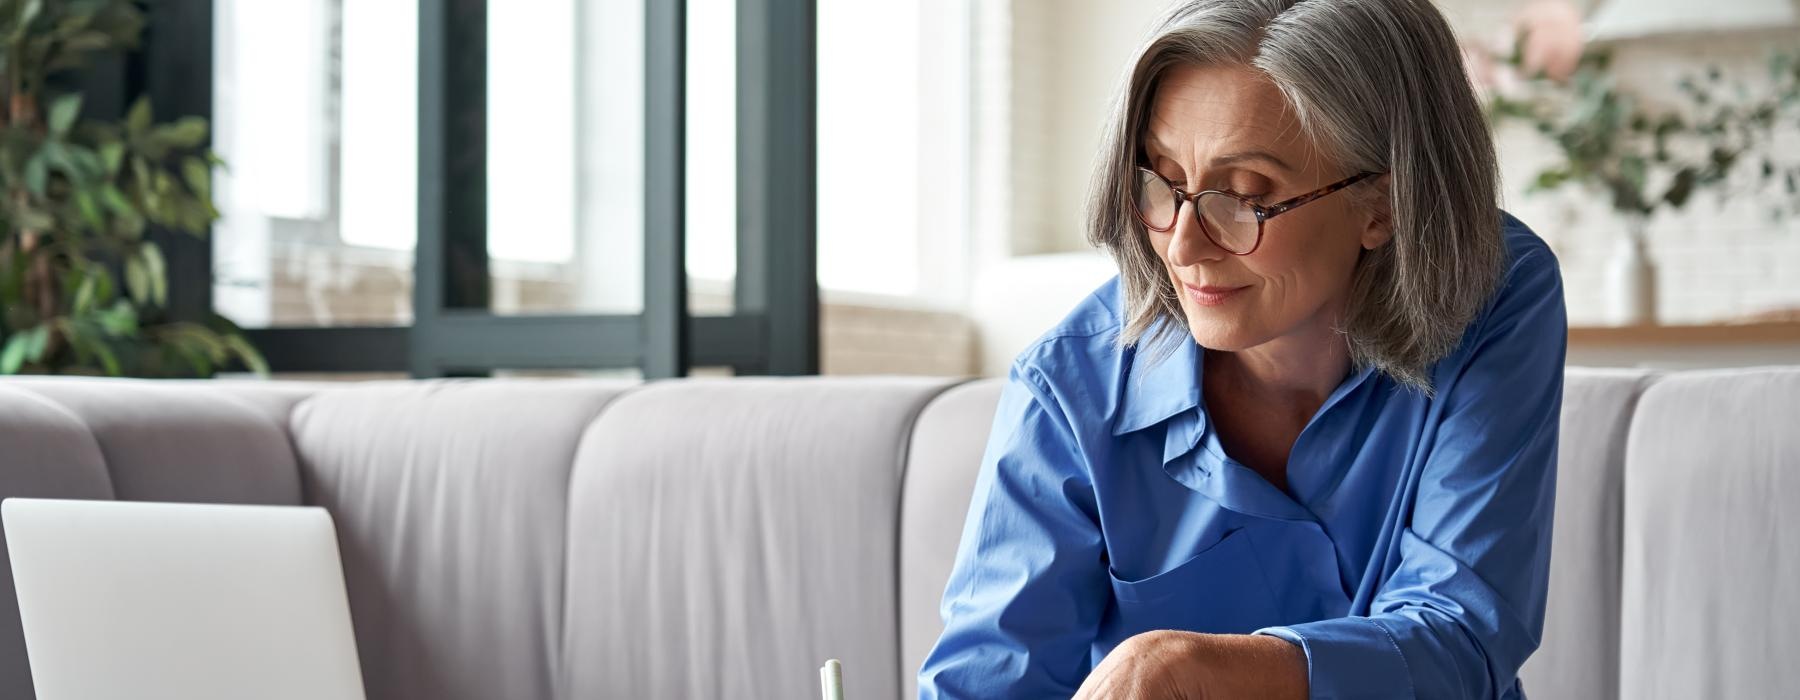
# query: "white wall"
{"type": "Point", "coordinates": [1069, 57]}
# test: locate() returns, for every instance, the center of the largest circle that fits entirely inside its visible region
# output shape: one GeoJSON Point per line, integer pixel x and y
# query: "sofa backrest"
{"type": "Point", "coordinates": [1711, 588]}
{"type": "Point", "coordinates": [934, 501]}
{"type": "Point", "coordinates": [707, 538]}
{"type": "Point", "coordinates": [726, 537]}
{"type": "Point", "coordinates": [451, 502]}
{"type": "Point", "coordinates": [1579, 653]}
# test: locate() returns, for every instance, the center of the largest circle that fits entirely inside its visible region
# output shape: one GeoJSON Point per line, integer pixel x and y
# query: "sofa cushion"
{"type": "Point", "coordinates": [1580, 647]}
{"type": "Point", "coordinates": [727, 537]}
{"type": "Point", "coordinates": [449, 498]}
{"type": "Point", "coordinates": [940, 477]}
{"type": "Point", "coordinates": [183, 442]}
{"type": "Point", "coordinates": [1712, 538]}
{"type": "Point", "coordinates": [45, 452]}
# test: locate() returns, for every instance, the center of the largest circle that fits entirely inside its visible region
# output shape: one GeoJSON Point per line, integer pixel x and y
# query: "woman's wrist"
{"type": "Point", "coordinates": [1245, 665]}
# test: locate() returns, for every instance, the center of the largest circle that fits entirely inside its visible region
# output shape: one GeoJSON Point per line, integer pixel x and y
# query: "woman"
{"type": "Point", "coordinates": [1305, 443]}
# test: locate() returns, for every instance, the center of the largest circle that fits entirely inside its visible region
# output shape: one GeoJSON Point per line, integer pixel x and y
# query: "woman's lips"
{"type": "Point", "coordinates": [1211, 295]}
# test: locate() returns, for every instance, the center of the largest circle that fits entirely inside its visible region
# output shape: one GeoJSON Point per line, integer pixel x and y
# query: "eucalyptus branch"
{"type": "Point", "coordinates": [1611, 142]}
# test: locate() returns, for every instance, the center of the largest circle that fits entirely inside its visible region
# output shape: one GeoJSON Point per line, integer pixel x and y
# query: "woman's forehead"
{"type": "Point", "coordinates": [1207, 111]}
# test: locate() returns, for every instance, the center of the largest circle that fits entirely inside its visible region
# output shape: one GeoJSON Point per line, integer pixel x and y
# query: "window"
{"type": "Point", "coordinates": [318, 195]}
{"type": "Point", "coordinates": [361, 225]}
{"type": "Point", "coordinates": [893, 135]}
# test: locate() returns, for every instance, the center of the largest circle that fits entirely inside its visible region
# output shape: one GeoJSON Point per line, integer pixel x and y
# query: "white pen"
{"type": "Point", "coordinates": [831, 680]}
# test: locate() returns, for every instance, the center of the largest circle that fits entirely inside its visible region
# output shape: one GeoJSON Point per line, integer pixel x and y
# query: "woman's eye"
{"type": "Point", "coordinates": [1256, 191]}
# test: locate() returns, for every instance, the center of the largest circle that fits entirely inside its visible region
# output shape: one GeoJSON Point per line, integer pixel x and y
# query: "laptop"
{"type": "Point", "coordinates": [164, 600]}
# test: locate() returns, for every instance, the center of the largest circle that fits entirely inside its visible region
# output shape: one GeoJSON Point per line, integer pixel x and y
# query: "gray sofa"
{"type": "Point", "coordinates": [713, 538]}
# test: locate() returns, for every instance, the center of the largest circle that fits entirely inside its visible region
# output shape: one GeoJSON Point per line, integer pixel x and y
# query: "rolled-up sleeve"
{"type": "Point", "coordinates": [1029, 584]}
{"type": "Point", "coordinates": [1464, 606]}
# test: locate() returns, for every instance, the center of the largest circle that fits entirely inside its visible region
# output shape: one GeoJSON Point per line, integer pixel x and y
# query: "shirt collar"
{"type": "Point", "coordinates": [1154, 392]}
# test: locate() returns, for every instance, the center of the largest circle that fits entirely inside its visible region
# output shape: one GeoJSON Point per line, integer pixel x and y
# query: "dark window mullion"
{"type": "Point", "coordinates": [664, 319]}
{"type": "Point", "coordinates": [176, 65]}
{"type": "Point", "coordinates": [777, 274]}
{"type": "Point", "coordinates": [428, 248]}
{"type": "Point", "coordinates": [450, 269]}
{"type": "Point", "coordinates": [333, 349]}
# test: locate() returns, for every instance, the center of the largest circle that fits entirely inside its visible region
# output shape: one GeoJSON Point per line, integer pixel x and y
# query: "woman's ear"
{"type": "Point", "coordinates": [1379, 229]}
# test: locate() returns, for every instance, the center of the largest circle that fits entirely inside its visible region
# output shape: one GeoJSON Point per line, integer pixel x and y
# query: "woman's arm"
{"type": "Point", "coordinates": [1029, 584]}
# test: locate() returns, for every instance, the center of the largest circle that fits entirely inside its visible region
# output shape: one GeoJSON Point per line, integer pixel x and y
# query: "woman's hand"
{"type": "Point", "coordinates": [1152, 665]}
{"type": "Point", "coordinates": [1171, 665]}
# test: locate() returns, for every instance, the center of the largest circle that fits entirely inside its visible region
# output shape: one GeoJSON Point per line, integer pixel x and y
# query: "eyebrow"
{"type": "Point", "coordinates": [1241, 156]}
{"type": "Point", "coordinates": [1152, 142]}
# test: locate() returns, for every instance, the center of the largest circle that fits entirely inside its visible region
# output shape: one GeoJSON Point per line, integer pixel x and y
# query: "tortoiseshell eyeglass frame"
{"type": "Point", "coordinates": [1263, 214]}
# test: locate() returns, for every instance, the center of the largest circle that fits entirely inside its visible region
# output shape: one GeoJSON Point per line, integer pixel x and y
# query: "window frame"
{"type": "Point", "coordinates": [774, 328]}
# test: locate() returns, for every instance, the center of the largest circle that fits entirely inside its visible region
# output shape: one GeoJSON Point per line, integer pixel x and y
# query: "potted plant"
{"type": "Point", "coordinates": [83, 289]}
{"type": "Point", "coordinates": [1638, 159]}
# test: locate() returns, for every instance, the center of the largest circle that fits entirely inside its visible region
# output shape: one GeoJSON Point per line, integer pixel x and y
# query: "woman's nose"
{"type": "Point", "coordinates": [1188, 244]}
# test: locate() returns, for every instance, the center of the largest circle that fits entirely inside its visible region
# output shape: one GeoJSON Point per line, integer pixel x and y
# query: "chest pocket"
{"type": "Point", "coordinates": [1221, 590]}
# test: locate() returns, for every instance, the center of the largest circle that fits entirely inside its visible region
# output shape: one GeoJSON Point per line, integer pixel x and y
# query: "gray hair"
{"type": "Point", "coordinates": [1378, 85]}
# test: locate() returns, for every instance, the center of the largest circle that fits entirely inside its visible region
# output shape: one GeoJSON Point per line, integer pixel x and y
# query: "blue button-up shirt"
{"type": "Point", "coordinates": [1409, 555]}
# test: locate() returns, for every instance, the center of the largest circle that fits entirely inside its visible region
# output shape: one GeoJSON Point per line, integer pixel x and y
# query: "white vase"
{"type": "Point", "coordinates": [1631, 277]}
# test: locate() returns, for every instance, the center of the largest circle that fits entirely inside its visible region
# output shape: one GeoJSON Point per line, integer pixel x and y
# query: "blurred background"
{"type": "Point", "coordinates": [621, 188]}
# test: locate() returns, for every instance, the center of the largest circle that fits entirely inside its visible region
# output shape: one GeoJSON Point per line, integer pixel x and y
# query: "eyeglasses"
{"type": "Point", "coordinates": [1230, 221]}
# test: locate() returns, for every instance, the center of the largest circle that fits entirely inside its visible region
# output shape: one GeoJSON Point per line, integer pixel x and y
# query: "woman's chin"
{"type": "Point", "coordinates": [1224, 335]}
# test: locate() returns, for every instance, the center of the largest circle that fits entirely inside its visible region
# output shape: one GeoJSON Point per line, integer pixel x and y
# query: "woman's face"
{"type": "Point", "coordinates": [1228, 128]}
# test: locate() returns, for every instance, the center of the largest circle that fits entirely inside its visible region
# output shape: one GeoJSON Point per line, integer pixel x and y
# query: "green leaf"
{"type": "Point", "coordinates": [1634, 171]}
{"type": "Point", "coordinates": [63, 113]}
{"type": "Point", "coordinates": [103, 285]}
{"type": "Point", "coordinates": [112, 153]}
{"type": "Point", "coordinates": [58, 156]}
{"type": "Point", "coordinates": [120, 320]}
{"type": "Point", "coordinates": [138, 119]}
{"type": "Point", "coordinates": [137, 280]}
{"type": "Point", "coordinates": [1681, 189]}
{"type": "Point", "coordinates": [37, 342]}
{"type": "Point", "coordinates": [198, 177]}
{"type": "Point", "coordinates": [90, 210]}
{"type": "Point", "coordinates": [186, 132]}
{"type": "Point", "coordinates": [12, 357]}
{"type": "Point", "coordinates": [115, 201]}
{"type": "Point", "coordinates": [88, 161]}
{"type": "Point", "coordinates": [248, 353]}
{"type": "Point", "coordinates": [37, 173]}
{"type": "Point", "coordinates": [108, 360]}
{"type": "Point", "coordinates": [87, 337]}
{"type": "Point", "coordinates": [28, 12]}
{"type": "Point", "coordinates": [84, 295]}
{"type": "Point", "coordinates": [158, 271]}
{"type": "Point", "coordinates": [25, 346]}
{"type": "Point", "coordinates": [1549, 180]}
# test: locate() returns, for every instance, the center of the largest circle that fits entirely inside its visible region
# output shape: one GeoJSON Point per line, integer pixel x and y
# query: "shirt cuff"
{"type": "Point", "coordinates": [1348, 657]}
